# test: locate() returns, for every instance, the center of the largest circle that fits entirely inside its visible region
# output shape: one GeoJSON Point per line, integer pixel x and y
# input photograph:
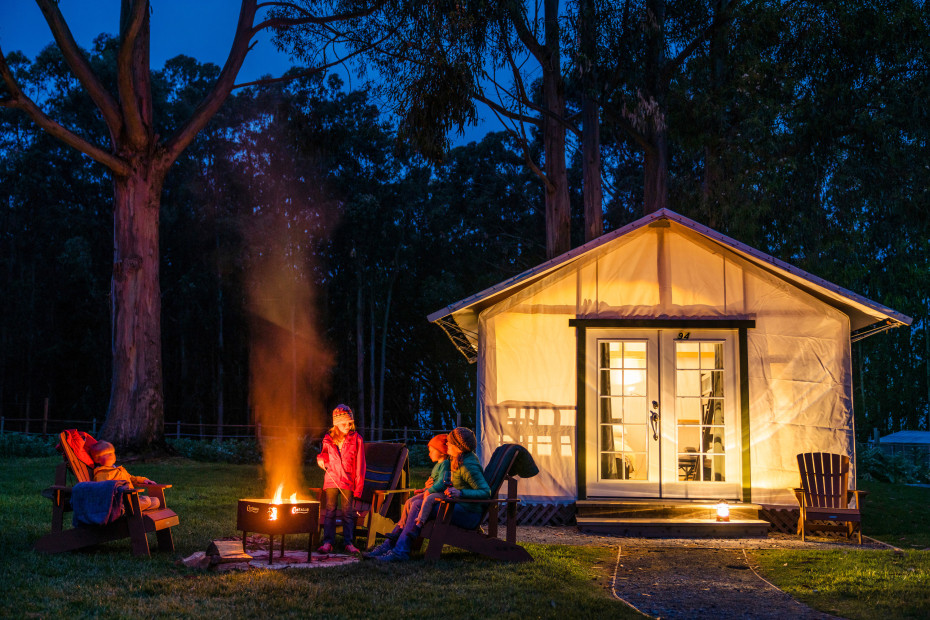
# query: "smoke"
{"type": "Point", "coordinates": [289, 362]}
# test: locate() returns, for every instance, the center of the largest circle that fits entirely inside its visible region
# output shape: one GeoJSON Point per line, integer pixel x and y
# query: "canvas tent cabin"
{"type": "Point", "coordinates": [664, 360]}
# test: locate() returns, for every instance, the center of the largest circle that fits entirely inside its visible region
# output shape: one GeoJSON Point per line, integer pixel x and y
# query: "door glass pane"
{"type": "Point", "coordinates": [699, 411]}
{"type": "Point", "coordinates": [623, 439]}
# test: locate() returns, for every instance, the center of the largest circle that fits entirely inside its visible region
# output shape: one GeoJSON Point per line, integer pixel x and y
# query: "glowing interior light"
{"type": "Point", "coordinates": [723, 511]}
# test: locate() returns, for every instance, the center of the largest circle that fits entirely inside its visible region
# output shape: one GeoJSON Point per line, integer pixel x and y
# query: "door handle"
{"type": "Point", "coordinates": [654, 420]}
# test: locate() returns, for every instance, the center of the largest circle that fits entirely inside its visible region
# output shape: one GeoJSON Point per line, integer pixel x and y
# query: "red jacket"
{"type": "Point", "coordinates": [345, 467]}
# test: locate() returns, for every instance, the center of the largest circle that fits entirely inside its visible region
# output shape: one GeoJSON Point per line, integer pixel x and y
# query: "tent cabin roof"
{"type": "Point", "coordinates": [867, 317]}
{"type": "Point", "coordinates": [907, 437]}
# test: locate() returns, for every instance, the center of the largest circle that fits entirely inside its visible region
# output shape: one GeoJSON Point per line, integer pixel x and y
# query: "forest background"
{"type": "Point", "coordinates": [800, 129]}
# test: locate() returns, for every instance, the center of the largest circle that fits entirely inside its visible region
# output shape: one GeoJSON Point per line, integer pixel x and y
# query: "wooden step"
{"type": "Point", "coordinates": [662, 509]}
{"type": "Point", "coordinates": [674, 528]}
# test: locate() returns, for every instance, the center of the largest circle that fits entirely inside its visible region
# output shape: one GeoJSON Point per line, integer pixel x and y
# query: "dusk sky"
{"type": "Point", "coordinates": [202, 29]}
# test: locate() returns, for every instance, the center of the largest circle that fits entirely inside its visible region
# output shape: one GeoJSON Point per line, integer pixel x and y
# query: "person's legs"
{"type": "Point", "coordinates": [329, 515]}
{"type": "Point", "coordinates": [348, 521]}
{"type": "Point", "coordinates": [407, 513]}
{"type": "Point", "coordinates": [427, 506]}
{"type": "Point", "coordinates": [401, 550]}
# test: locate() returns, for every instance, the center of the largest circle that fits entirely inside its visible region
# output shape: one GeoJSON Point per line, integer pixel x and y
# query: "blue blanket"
{"type": "Point", "coordinates": [97, 503]}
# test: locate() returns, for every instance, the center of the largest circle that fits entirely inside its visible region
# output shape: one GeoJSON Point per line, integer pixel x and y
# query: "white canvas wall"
{"type": "Point", "coordinates": [799, 353]}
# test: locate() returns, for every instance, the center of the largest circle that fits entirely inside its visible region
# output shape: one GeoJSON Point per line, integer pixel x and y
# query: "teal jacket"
{"type": "Point", "coordinates": [469, 479]}
{"type": "Point", "coordinates": [438, 473]}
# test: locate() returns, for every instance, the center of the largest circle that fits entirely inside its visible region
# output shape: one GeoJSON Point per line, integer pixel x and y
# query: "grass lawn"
{"type": "Point", "coordinates": [109, 582]}
{"type": "Point", "coordinates": [866, 583]}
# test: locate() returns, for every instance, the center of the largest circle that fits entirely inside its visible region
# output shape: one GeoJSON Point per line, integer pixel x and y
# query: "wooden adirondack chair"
{"type": "Point", "coordinates": [441, 531]}
{"type": "Point", "coordinates": [134, 524]}
{"type": "Point", "coordinates": [387, 470]}
{"type": "Point", "coordinates": [824, 495]}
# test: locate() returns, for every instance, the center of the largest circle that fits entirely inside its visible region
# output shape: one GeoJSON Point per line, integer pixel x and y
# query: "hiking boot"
{"type": "Point", "coordinates": [350, 548]}
{"type": "Point", "coordinates": [384, 547]}
{"type": "Point", "coordinates": [325, 548]}
{"type": "Point", "coordinates": [414, 533]}
{"type": "Point", "coordinates": [394, 555]}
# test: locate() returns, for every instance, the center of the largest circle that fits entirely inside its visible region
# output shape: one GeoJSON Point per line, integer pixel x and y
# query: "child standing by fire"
{"type": "Point", "coordinates": [421, 504]}
{"type": "Point", "coordinates": [343, 459]}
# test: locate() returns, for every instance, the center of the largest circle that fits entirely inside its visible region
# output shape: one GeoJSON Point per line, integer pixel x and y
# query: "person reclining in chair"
{"type": "Point", "coordinates": [468, 482]}
{"type": "Point", "coordinates": [104, 455]}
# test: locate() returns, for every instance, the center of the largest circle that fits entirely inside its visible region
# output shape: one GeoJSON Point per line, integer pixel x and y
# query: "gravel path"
{"type": "Point", "coordinates": [695, 578]}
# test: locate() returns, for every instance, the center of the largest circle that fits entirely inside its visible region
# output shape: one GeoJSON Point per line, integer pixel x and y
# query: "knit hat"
{"type": "Point", "coordinates": [438, 443]}
{"type": "Point", "coordinates": [342, 413]}
{"type": "Point", "coordinates": [463, 439]}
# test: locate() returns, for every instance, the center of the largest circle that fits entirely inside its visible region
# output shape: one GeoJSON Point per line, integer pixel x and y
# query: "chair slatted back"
{"type": "Point", "coordinates": [386, 469]}
{"type": "Point", "coordinates": [824, 479]}
{"type": "Point", "coordinates": [499, 466]}
{"type": "Point", "coordinates": [82, 472]}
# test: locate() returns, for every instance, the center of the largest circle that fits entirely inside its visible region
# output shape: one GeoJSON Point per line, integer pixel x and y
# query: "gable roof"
{"type": "Point", "coordinates": [866, 316]}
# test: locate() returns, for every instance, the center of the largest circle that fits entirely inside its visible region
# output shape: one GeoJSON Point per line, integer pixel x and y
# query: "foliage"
{"type": "Point", "coordinates": [872, 463]}
{"type": "Point", "coordinates": [108, 580]}
{"type": "Point", "coordinates": [18, 444]}
{"type": "Point", "coordinates": [218, 450]}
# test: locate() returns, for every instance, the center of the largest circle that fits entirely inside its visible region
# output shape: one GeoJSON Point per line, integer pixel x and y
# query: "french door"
{"type": "Point", "coordinates": [660, 416]}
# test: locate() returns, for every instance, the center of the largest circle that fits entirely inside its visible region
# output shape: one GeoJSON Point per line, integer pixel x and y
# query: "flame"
{"type": "Point", "coordinates": [278, 494]}
{"type": "Point", "coordinates": [293, 498]}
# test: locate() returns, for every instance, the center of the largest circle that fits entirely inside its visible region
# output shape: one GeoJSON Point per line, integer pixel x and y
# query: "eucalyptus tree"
{"type": "Point", "coordinates": [138, 159]}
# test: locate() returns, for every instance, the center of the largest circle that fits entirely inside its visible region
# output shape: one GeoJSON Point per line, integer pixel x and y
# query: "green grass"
{"type": "Point", "coordinates": [866, 583]}
{"type": "Point", "coordinates": [109, 582]}
{"type": "Point", "coordinates": [853, 583]}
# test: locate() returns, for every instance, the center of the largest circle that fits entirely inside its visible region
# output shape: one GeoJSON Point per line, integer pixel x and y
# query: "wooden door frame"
{"type": "Point", "coordinates": [742, 326]}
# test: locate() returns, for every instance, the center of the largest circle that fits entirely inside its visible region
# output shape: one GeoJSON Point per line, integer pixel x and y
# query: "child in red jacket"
{"type": "Point", "coordinates": [343, 459]}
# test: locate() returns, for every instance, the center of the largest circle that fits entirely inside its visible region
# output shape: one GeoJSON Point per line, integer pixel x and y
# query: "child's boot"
{"type": "Point", "coordinates": [414, 533]}
{"type": "Point", "coordinates": [399, 553]}
{"type": "Point", "coordinates": [384, 547]}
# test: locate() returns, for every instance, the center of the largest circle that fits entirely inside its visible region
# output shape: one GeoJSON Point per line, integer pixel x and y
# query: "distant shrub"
{"type": "Point", "coordinates": [419, 455]}
{"type": "Point", "coordinates": [217, 451]}
{"type": "Point", "coordinates": [18, 444]}
{"type": "Point", "coordinates": [874, 464]}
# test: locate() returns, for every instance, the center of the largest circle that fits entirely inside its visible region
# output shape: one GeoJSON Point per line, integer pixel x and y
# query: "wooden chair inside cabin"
{"type": "Point", "coordinates": [387, 470]}
{"type": "Point", "coordinates": [825, 497]}
{"type": "Point", "coordinates": [501, 467]}
{"type": "Point", "coordinates": [134, 524]}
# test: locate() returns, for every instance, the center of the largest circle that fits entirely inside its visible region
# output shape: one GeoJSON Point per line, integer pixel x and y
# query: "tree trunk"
{"type": "Point", "coordinates": [591, 170]}
{"type": "Point", "coordinates": [558, 207]}
{"type": "Point", "coordinates": [655, 165]}
{"type": "Point", "coordinates": [360, 349]}
{"type": "Point", "coordinates": [135, 418]}
{"type": "Point", "coordinates": [590, 131]}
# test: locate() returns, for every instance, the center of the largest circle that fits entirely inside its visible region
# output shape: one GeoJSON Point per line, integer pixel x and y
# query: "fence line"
{"type": "Point", "coordinates": [197, 430]}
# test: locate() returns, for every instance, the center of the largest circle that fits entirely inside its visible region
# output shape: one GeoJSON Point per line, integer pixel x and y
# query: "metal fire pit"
{"type": "Point", "coordinates": [265, 517]}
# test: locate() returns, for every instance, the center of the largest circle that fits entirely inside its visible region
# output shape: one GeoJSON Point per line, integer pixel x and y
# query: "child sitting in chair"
{"type": "Point", "coordinates": [104, 455]}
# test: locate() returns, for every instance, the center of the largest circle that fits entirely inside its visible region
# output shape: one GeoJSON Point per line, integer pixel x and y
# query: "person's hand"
{"type": "Point", "coordinates": [149, 481]}
{"type": "Point", "coordinates": [429, 482]}
{"type": "Point", "coordinates": [418, 491]}
{"type": "Point", "coordinates": [320, 461]}
{"type": "Point", "coordinates": [453, 493]}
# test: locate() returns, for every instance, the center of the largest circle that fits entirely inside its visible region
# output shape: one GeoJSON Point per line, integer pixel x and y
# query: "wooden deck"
{"type": "Point", "coordinates": [649, 518]}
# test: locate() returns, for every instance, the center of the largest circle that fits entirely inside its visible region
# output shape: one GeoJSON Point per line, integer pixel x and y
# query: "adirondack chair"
{"type": "Point", "coordinates": [824, 495]}
{"type": "Point", "coordinates": [386, 474]}
{"type": "Point", "coordinates": [134, 524]}
{"type": "Point", "coordinates": [442, 532]}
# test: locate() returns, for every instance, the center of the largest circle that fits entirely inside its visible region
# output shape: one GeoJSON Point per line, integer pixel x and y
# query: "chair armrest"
{"type": "Point", "coordinates": [393, 491]}
{"type": "Point", "coordinates": [799, 495]}
{"type": "Point", "coordinates": [858, 495]}
{"type": "Point", "coordinates": [154, 486]}
{"type": "Point", "coordinates": [492, 500]}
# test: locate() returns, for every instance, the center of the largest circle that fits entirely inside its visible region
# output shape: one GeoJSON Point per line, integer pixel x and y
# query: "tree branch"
{"type": "Point", "coordinates": [132, 116]}
{"type": "Point", "coordinates": [79, 66]}
{"type": "Point", "coordinates": [21, 101]}
{"type": "Point", "coordinates": [523, 32]}
{"type": "Point", "coordinates": [281, 22]}
{"type": "Point", "coordinates": [224, 85]}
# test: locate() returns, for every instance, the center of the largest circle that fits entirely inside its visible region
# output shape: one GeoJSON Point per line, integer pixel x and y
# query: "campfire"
{"type": "Point", "coordinates": [279, 517]}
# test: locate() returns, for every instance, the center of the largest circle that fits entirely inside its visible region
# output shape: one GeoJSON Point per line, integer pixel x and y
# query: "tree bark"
{"type": "Point", "coordinates": [136, 415]}
{"type": "Point", "coordinates": [655, 165]}
{"type": "Point", "coordinates": [655, 157]}
{"type": "Point", "coordinates": [590, 130]}
{"type": "Point", "coordinates": [558, 207]}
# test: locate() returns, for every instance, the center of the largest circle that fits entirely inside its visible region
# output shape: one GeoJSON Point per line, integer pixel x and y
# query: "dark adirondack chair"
{"type": "Point", "coordinates": [824, 495]}
{"type": "Point", "coordinates": [387, 470]}
{"type": "Point", "coordinates": [442, 532]}
{"type": "Point", "coordinates": [134, 524]}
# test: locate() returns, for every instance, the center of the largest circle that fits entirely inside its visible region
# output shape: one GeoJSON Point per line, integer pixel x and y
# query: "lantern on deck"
{"type": "Point", "coordinates": [723, 511]}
